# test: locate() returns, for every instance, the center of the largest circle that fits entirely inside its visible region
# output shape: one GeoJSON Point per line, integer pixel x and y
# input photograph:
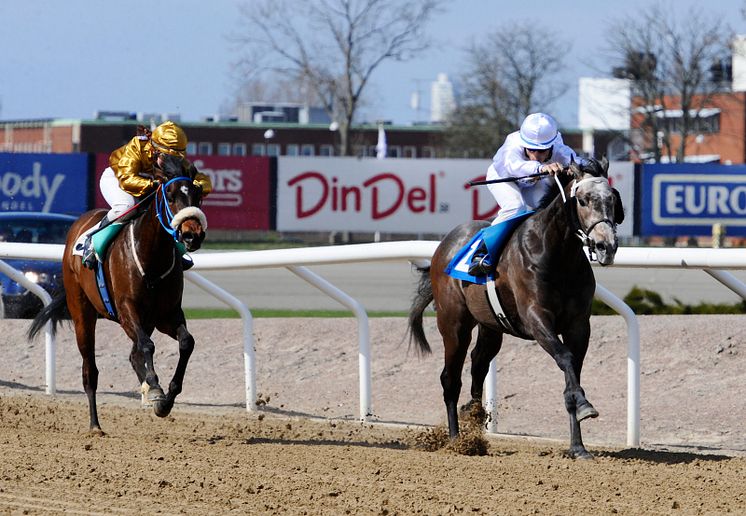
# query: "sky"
{"type": "Point", "coordinates": [71, 58]}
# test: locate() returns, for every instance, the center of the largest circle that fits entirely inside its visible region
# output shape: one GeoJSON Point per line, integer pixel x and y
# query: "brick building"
{"type": "Point", "coordinates": [233, 138]}
{"type": "Point", "coordinates": [220, 138]}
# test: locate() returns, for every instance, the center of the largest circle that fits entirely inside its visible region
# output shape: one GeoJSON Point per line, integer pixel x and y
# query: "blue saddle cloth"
{"type": "Point", "coordinates": [494, 238]}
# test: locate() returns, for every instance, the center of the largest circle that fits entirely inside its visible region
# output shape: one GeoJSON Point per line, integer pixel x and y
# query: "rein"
{"type": "Point", "coordinates": [584, 235]}
{"type": "Point", "coordinates": [163, 210]}
{"type": "Point", "coordinates": [165, 216]}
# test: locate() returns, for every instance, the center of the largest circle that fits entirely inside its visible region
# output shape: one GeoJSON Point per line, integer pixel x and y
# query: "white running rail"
{"type": "Point", "coordinates": [711, 261]}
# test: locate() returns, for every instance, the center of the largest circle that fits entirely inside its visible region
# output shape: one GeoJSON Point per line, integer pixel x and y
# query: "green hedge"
{"type": "Point", "coordinates": [647, 302]}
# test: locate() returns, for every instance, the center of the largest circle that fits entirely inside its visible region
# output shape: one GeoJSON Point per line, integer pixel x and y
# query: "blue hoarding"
{"type": "Point", "coordinates": [688, 199]}
{"type": "Point", "coordinates": [44, 182]}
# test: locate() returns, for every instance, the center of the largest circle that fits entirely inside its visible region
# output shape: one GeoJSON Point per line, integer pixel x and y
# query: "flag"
{"type": "Point", "coordinates": [381, 145]}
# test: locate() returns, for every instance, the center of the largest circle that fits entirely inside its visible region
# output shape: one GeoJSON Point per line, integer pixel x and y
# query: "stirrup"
{"type": "Point", "coordinates": [186, 263]}
{"type": "Point", "coordinates": [480, 266]}
{"type": "Point", "coordinates": [89, 254]}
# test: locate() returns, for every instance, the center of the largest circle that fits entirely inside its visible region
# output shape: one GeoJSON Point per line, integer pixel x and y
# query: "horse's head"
{"type": "Point", "coordinates": [182, 197]}
{"type": "Point", "coordinates": [598, 207]}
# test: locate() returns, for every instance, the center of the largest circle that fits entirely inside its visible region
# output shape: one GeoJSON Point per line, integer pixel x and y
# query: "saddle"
{"type": "Point", "coordinates": [494, 239]}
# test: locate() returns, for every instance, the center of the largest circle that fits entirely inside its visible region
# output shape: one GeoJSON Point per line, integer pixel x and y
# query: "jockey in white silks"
{"type": "Point", "coordinates": [536, 148]}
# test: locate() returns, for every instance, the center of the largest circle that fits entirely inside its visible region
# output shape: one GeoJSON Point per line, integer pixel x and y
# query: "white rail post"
{"type": "Point", "coordinates": [50, 344]}
{"type": "Point", "coordinates": [633, 362]}
{"type": "Point", "coordinates": [729, 280]}
{"type": "Point", "coordinates": [249, 358]}
{"type": "Point", "coordinates": [490, 396]}
{"type": "Point", "coordinates": [362, 329]}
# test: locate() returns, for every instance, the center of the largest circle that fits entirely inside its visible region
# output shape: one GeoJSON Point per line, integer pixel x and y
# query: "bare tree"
{"type": "Point", "coordinates": [332, 46]}
{"type": "Point", "coordinates": [513, 73]}
{"type": "Point", "coordinates": [668, 58]}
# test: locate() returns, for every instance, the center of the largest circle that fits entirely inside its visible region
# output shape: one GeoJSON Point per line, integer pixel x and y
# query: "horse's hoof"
{"type": "Point", "coordinates": [162, 408]}
{"type": "Point", "coordinates": [581, 455]}
{"type": "Point", "coordinates": [96, 432]}
{"type": "Point", "coordinates": [585, 411]}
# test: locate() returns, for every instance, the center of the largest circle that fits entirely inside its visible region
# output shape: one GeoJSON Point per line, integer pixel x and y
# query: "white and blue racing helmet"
{"type": "Point", "coordinates": [538, 131]}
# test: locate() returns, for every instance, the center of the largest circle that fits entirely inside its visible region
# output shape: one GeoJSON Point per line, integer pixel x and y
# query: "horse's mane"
{"type": "Point", "coordinates": [587, 165]}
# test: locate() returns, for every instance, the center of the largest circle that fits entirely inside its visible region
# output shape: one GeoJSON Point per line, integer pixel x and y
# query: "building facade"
{"type": "Point", "coordinates": [222, 138]}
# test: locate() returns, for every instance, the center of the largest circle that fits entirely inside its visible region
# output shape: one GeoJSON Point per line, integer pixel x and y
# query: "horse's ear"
{"type": "Point", "coordinates": [618, 208]}
{"type": "Point", "coordinates": [604, 165]}
{"type": "Point", "coordinates": [575, 169]}
{"type": "Point", "coordinates": [190, 170]}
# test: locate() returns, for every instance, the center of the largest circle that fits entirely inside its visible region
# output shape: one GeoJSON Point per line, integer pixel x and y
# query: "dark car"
{"type": "Point", "coordinates": [38, 228]}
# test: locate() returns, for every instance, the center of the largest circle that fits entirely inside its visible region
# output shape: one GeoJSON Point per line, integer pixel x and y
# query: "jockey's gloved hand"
{"type": "Point", "coordinates": [552, 168]}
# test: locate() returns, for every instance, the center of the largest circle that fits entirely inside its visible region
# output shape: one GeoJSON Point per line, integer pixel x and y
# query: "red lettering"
{"type": "Point", "coordinates": [414, 195]}
{"type": "Point", "coordinates": [376, 212]}
{"type": "Point", "coordinates": [433, 193]}
{"type": "Point", "coordinates": [299, 210]}
{"type": "Point", "coordinates": [345, 192]}
{"type": "Point", "coordinates": [476, 213]}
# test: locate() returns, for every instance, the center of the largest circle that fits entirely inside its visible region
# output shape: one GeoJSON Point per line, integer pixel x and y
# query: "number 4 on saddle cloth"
{"type": "Point", "coordinates": [494, 239]}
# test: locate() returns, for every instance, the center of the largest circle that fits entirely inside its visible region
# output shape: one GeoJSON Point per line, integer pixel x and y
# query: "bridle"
{"type": "Point", "coordinates": [163, 210]}
{"type": "Point", "coordinates": [584, 234]}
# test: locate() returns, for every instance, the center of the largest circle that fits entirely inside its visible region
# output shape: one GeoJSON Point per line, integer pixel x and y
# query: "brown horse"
{"type": "Point", "coordinates": [144, 275]}
{"type": "Point", "coordinates": [544, 283]}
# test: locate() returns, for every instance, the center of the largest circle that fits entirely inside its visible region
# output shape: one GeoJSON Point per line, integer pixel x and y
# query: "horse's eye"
{"type": "Point", "coordinates": [582, 202]}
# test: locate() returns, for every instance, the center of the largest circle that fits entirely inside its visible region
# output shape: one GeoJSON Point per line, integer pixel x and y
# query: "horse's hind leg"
{"type": "Point", "coordinates": [489, 342]}
{"type": "Point", "coordinates": [179, 332]}
{"type": "Point", "coordinates": [456, 338]}
{"type": "Point", "coordinates": [84, 318]}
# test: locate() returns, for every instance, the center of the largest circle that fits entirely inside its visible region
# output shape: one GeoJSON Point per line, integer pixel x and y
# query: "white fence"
{"type": "Point", "coordinates": [710, 260]}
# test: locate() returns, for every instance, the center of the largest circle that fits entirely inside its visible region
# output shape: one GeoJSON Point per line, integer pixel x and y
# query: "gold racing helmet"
{"type": "Point", "coordinates": [169, 138]}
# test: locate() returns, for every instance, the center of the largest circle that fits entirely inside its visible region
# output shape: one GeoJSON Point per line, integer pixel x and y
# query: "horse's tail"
{"type": "Point", "coordinates": [55, 311]}
{"type": "Point", "coordinates": [422, 299]}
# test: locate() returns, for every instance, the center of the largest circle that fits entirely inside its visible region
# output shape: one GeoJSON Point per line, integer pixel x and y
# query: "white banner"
{"type": "Point", "coordinates": [393, 195]}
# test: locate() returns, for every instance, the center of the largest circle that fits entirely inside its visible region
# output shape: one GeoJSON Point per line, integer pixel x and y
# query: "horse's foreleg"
{"type": "Point", "coordinates": [186, 346]}
{"type": "Point", "coordinates": [569, 358]}
{"type": "Point", "coordinates": [150, 386]}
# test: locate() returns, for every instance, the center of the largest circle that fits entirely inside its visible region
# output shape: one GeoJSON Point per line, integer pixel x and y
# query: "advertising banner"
{"type": "Point", "coordinates": [393, 195]}
{"type": "Point", "coordinates": [242, 194]}
{"type": "Point", "coordinates": [56, 183]}
{"type": "Point", "coordinates": [390, 195]}
{"type": "Point", "coordinates": [687, 199]}
{"type": "Point", "coordinates": [622, 177]}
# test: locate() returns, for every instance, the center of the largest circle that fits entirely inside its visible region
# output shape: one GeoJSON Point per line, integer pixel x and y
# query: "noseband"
{"type": "Point", "coordinates": [163, 210]}
{"type": "Point", "coordinates": [584, 234]}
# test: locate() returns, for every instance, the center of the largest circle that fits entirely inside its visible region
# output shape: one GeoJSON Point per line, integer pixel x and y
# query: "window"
{"type": "Point", "coordinates": [410, 151]}
{"type": "Point", "coordinates": [224, 149]}
{"type": "Point", "coordinates": [291, 149]}
{"type": "Point", "coordinates": [326, 150]}
{"type": "Point", "coordinates": [204, 149]}
{"type": "Point", "coordinates": [191, 148]}
{"type": "Point", "coordinates": [428, 152]}
{"type": "Point", "coordinates": [258, 149]}
{"type": "Point", "coordinates": [273, 149]}
{"type": "Point", "coordinates": [704, 121]}
{"type": "Point", "coordinates": [307, 149]}
{"type": "Point", "coordinates": [239, 149]}
{"type": "Point", "coordinates": [393, 151]}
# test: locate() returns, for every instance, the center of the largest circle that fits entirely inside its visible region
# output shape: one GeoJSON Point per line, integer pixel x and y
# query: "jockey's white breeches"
{"type": "Point", "coordinates": [513, 199]}
{"type": "Point", "coordinates": [119, 200]}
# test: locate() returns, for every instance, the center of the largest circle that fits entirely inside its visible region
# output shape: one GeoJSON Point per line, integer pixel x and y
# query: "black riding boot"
{"type": "Point", "coordinates": [186, 262]}
{"type": "Point", "coordinates": [480, 265]}
{"type": "Point", "coordinates": [89, 254]}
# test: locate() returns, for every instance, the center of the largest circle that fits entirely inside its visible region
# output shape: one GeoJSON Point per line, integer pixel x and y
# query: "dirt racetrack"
{"type": "Point", "coordinates": [304, 453]}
